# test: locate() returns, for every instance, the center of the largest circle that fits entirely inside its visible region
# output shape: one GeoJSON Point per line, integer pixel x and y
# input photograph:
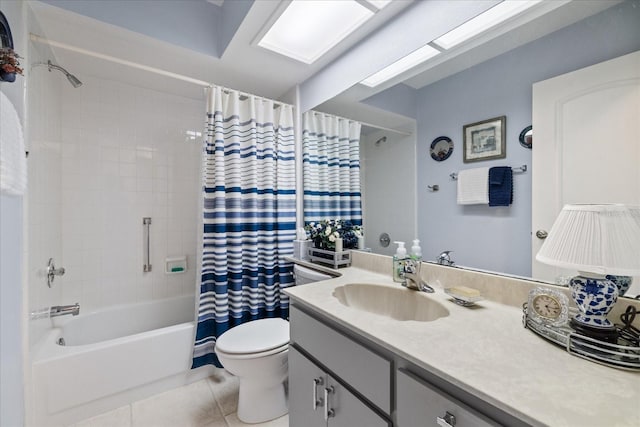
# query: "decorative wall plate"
{"type": "Point", "coordinates": [441, 148]}
{"type": "Point", "coordinates": [526, 137]}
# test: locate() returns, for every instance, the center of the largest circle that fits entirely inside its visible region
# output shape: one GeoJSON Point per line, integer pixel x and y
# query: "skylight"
{"type": "Point", "coordinates": [414, 58]}
{"type": "Point", "coordinates": [486, 20]}
{"type": "Point", "coordinates": [308, 29]}
{"type": "Point", "coordinates": [490, 18]}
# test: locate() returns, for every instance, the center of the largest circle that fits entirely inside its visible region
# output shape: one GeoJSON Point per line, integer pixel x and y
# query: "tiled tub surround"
{"type": "Point", "coordinates": [485, 350]}
{"type": "Point", "coordinates": [102, 157]}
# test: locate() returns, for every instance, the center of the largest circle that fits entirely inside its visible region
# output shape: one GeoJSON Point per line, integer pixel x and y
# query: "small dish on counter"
{"type": "Point", "coordinates": [464, 296]}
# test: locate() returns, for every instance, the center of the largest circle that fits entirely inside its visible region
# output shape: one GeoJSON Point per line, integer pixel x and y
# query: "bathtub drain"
{"type": "Point", "coordinates": [61, 341]}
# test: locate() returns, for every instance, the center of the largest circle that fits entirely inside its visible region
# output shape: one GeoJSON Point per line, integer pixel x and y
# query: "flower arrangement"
{"type": "Point", "coordinates": [9, 63]}
{"type": "Point", "coordinates": [325, 233]}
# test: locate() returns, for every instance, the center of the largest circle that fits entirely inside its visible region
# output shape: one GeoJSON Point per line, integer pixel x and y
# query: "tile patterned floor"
{"type": "Point", "coordinates": [212, 402]}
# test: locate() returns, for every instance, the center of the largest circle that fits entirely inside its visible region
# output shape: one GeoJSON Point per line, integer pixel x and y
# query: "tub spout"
{"type": "Point", "coordinates": [61, 310]}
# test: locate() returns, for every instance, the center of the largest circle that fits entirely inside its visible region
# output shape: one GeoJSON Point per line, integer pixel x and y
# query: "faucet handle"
{"type": "Point", "coordinates": [444, 258]}
{"type": "Point", "coordinates": [52, 272]}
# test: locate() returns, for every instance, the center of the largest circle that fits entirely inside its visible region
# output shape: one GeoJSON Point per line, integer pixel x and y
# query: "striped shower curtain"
{"type": "Point", "coordinates": [249, 215]}
{"type": "Point", "coordinates": [331, 159]}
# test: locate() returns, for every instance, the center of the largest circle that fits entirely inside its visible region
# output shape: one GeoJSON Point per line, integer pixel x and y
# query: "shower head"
{"type": "Point", "coordinates": [75, 82]}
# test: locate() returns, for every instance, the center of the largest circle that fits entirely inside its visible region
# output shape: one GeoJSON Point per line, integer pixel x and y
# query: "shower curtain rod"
{"type": "Point", "coordinates": [371, 125]}
{"type": "Point", "coordinates": [39, 39]}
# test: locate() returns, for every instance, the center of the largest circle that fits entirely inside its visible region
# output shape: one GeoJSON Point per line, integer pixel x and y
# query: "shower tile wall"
{"type": "Point", "coordinates": [43, 207]}
{"type": "Point", "coordinates": [124, 154]}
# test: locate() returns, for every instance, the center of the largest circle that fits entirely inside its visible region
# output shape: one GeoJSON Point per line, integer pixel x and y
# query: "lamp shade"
{"type": "Point", "coordinates": [601, 239]}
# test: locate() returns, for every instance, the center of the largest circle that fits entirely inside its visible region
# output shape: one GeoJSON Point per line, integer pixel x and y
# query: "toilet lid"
{"type": "Point", "coordinates": [255, 336]}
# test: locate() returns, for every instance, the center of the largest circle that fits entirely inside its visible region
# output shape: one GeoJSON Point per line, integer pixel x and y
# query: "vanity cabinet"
{"type": "Point", "coordinates": [365, 385]}
{"type": "Point", "coordinates": [317, 399]}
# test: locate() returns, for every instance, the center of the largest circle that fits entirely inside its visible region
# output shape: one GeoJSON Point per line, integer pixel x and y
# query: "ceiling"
{"type": "Point", "coordinates": [245, 66]}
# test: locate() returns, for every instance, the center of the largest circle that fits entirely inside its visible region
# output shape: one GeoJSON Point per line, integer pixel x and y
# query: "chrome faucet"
{"type": "Point", "coordinates": [61, 310]}
{"type": "Point", "coordinates": [445, 259]}
{"type": "Point", "coordinates": [412, 279]}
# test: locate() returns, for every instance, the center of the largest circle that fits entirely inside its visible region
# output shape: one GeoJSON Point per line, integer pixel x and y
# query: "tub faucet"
{"type": "Point", "coordinates": [61, 310]}
{"type": "Point", "coordinates": [445, 259]}
{"type": "Point", "coordinates": [412, 278]}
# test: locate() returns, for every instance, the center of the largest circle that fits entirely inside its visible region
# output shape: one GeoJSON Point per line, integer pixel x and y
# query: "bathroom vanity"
{"type": "Point", "coordinates": [474, 366]}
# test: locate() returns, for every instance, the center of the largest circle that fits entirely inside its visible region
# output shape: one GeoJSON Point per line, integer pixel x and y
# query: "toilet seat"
{"type": "Point", "coordinates": [253, 355]}
{"type": "Point", "coordinates": [256, 338]}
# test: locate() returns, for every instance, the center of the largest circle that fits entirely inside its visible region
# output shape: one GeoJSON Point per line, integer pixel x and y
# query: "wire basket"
{"type": "Point", "coordinates": [625, 354]}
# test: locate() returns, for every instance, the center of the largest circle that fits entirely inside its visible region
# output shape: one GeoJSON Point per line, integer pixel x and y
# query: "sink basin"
{"type": "Point", "coordinates": [397, 303]}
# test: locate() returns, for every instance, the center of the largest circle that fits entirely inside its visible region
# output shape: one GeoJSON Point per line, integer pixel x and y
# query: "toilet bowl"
{"type": "Point", "coordinates": [256, 352]}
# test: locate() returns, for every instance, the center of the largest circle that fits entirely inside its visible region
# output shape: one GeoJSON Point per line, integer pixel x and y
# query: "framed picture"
{"type": "Point", "coordinates": [485, 140]}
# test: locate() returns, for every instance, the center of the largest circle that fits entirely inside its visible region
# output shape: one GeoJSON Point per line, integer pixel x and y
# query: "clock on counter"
{"type": "Point", "coordinates": [547, 306]}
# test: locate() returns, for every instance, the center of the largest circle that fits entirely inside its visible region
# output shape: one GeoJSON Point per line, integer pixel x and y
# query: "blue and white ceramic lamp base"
{"type": "Point", "coordinates": [595, 296]}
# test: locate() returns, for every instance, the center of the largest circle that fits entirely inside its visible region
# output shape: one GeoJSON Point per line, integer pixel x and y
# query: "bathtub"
{"type": "Point", "coordinates": [111, 358]}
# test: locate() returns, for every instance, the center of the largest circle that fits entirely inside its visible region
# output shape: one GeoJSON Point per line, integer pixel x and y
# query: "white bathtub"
{"type": "Point", "coordinates": [112, 358]}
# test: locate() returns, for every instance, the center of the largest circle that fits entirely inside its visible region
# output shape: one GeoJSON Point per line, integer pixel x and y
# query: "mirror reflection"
{"type": "Point", "coordinates": [402, 117]}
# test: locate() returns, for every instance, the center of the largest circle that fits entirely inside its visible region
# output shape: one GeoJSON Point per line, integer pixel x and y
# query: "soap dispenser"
{"type": "Point", "coordinates": [416, 251]}
{"type": "Point", "coordinates": [399, 260]}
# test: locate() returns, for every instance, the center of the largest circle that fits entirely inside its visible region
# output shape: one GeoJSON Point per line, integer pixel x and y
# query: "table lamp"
{"type": "Point", "coordinates": [596, 240]}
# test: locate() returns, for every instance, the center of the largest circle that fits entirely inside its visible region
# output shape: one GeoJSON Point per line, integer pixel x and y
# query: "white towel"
{"type": "Point", "coordinates": [473, 186]}
{"type": "Point", "coordinates": [13, 164]}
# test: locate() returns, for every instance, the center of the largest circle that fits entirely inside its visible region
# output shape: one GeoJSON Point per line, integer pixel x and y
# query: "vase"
{"type": "Point", "coordinates": [622, 282]}
{"type": "Point", "coordinates": [595, 296]}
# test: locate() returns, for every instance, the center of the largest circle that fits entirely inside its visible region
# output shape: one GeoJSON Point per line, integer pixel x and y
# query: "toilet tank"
{"type": "Point", "coordinates": [305, 275]}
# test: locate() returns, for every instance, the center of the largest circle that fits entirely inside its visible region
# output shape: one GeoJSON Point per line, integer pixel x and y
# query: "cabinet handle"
{"type": "Point", "coordinates": [316, 382]}
{"type": "Point", "coordinates": [328, 413]}
{"type": "Point", "coordinates": [449, 420]}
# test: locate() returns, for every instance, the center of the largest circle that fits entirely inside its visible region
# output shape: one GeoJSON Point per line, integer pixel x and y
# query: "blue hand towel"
{"type": "Point", "coordinates": [500, 186]}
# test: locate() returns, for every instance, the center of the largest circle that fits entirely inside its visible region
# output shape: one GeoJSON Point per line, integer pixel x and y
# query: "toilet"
{"type": "Point", "coordinates": [256, 352]}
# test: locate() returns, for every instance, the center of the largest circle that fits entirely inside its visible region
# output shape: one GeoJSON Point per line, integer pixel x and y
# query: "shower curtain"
{"type": "Point", "coordinates": [248, 213]}
{"type": "Point", "coordinates": [331, 159]}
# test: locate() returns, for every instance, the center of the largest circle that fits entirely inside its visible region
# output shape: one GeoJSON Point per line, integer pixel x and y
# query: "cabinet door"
{"type": "Point", "coordinates": [348, 411]}
{"type": "Point", "coordinates": [420, 404]}
{"type": "Point", "coordinates": [306, 389]}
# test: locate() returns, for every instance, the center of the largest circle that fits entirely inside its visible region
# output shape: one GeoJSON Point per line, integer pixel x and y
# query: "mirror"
{"type": "Point", "coordinates": [440, 101]}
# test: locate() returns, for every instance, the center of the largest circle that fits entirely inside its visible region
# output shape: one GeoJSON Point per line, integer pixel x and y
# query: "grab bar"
{"type": "Point", "coordinates": [146, 222]}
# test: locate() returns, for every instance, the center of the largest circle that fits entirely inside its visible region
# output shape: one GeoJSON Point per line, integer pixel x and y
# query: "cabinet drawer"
{"type": "Point", "coordinates": [362, 369]}
{"type": "Point", "coordinates": [307, 383]}
{"type": "Point", "coordinates": [420, 404]}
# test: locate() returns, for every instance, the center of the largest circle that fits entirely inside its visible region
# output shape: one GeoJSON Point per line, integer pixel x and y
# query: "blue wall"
{"type": "Point", "coordinates": [499, 239]}
{"type": "Point", "coordinates": [12, 402]}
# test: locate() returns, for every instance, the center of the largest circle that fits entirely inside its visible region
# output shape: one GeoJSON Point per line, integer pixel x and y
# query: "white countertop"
{"type": "Point", "coordinates": [485, 350]}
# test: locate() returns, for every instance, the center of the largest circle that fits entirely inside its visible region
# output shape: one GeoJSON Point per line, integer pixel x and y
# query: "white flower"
{"type": "Point", "coordinates": [312, 224]}
{"type": "Point", "coordinates": [336, 235]}
{"type": "Point", "coordinates": [332, 238]}
{"type": "Point", "coordinates": [328, 231]}
{"type": "Point", "coordinates": [357, 233]}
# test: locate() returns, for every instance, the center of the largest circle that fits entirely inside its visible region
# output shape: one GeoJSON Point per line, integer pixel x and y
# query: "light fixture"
{"type": "Point", "coordinates": [487, 19]}
{"type": "Point", "coordinates": [307, 29]}
{"type": "Point", "coordinates": [403, 64]}
{"type": "Point", "coordinates": [595, 240]}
